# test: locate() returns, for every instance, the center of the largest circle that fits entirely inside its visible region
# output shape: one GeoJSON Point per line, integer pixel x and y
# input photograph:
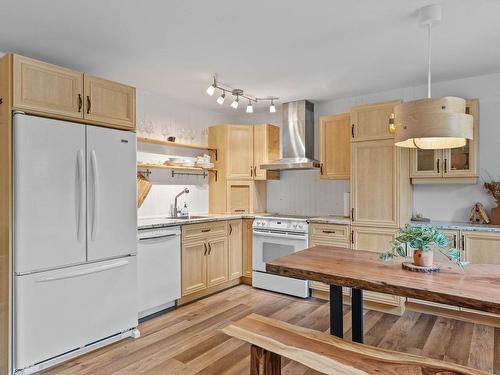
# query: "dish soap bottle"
{"type": "Point", "coordinates": [185, 210]}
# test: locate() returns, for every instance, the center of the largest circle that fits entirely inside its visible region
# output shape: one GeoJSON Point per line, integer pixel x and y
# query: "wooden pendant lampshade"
{"type": "Point", "coordinates": [438, 123]}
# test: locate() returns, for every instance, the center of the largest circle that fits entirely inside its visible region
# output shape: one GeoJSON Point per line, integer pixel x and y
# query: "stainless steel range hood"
{"type": "Point", "coordinates": [297, 138]}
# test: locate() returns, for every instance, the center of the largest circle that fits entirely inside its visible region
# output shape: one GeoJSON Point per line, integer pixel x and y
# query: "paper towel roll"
{"type": "Point", "coordinates": [347, 204]}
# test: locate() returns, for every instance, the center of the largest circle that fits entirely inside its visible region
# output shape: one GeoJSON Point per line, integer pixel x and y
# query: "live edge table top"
{"type": "Point", "coordinates": [477, 287]}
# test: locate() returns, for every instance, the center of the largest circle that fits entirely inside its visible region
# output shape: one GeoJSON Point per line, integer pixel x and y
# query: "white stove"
{"type": "Point", "coordinates": [275, 236]}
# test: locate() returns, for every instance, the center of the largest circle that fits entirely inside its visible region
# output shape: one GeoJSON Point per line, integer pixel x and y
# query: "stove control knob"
{"type": "Point", "coordinates": [294, 225]}
{"type": "Point", "coordinates": [300, 226]}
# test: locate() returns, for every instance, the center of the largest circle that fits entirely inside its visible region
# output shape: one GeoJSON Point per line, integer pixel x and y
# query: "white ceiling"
{"type": "Point", "coordinates": [316, 49]}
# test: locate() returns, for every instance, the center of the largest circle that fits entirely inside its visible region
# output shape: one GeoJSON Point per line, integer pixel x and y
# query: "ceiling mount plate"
{"type": "Point", "coordinates": [237, 92]}
{"type": "Point", "coordinates": [430, 15]}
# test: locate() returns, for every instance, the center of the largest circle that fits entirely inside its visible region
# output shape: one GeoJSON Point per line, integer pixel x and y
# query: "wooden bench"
{"type": "Point", "coordinates": [271, 339]}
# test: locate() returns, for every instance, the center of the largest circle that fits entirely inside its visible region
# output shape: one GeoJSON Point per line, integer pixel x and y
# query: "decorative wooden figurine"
{"type": "Point", "coordinates": [478, 214]}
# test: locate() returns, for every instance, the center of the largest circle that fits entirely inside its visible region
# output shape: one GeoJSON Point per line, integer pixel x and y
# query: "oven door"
{"type": "Point", "coordinates": [272, 244]}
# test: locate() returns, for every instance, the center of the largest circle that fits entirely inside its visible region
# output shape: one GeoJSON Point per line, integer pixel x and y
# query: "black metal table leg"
{"type": "Point", "coordinates": [336, 311]}
{"type": "Point", "coordinates": [357, 315]}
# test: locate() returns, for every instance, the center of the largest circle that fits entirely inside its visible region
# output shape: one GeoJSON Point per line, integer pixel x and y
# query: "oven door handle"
{"type": "Point", "coordinates": [281, 235]}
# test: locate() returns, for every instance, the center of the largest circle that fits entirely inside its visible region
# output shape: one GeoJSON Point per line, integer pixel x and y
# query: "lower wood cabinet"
{"type": "Point", "coordinates": [377, 240]}
{"type": "Point", "coordinates": [217, 261]}
{"type": "Point", "coordinates": [329, 235]}
{"type": "Point", "coordinates": [204, 257]}
{"type": "Point", "coordinates": [247, 248]}
{"type": "Point", "coordinates": [194, 267]}
{"type": "Point", "coordinates": [235, 240]}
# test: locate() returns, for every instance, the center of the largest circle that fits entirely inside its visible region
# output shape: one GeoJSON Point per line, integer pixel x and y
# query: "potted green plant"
{"type": "Point", "coordinates": [420, 239]}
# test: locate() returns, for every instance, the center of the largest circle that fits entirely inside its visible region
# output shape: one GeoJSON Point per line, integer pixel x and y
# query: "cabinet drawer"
{"type": "Point", "coordinates": [336, 235]}
{"type": "Point", "coordinates": [192, 232]}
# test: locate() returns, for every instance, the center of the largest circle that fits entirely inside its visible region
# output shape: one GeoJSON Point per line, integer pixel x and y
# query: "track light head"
{"type": "Point", "coordinates": [221, 98]}
{"type": "Point", "coordinates": [249, 107]}
{"type": "Point", "coordinates": [211, 88]}
{"type": "Point", "coordinates": [272, 108]}
{"type": "Point", "coordinates": [234, 104]}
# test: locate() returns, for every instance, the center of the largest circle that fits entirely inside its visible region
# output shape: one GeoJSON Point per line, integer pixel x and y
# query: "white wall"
{"type": "Point", "coordinates": [165, 112]}
{"type": "Point", "coordinates": [439, 202]}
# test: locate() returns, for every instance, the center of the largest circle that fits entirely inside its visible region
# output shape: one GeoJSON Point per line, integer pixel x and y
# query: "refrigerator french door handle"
{"type": "Point", "coordinates": [95, 195]}
{"type": "Point", "coordinates": [80, 194]}
{"type": "Point", "coordinates": [88, 271]}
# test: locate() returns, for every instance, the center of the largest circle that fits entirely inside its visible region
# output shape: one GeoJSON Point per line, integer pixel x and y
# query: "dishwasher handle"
{"type": "Point", "coordinates": [157, 237]}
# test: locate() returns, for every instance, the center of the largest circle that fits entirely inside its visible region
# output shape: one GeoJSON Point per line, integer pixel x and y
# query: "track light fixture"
{"type": "Point", "coordinates": [221, 98]}
{"type": "Point", "coordinates": [237, 93]}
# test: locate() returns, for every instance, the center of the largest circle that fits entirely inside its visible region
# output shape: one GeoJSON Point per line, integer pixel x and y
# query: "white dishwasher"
{"type": "Point", "coordinates": [158, 269]}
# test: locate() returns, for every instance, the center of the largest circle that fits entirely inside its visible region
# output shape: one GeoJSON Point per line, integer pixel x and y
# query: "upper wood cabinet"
{"type": "Point", "coordinates": [266, 147]}
{"type": "Point", "coordinates": [335, 146]}
{"type": "Point", "coordinates": [381, 194]}
{"type": "Point", "coordinates": [239, 185]}
{"type": "Point", "coordinates": [109, 102]}
{"type": "Point", "coordinates": [235, 240]}
{"type": "Point", "coordinates": [456, 165]}
{"type": "Point", "coordinates": [239, 149]}
{"type": "Point", "coordinates": [47, 88]}
{"type": "Point", "coordinates": [370, 122]}
{"type": "Point", "coordinates": [52, 91]}
{"type": "Point", "coordinates": [380, 185]}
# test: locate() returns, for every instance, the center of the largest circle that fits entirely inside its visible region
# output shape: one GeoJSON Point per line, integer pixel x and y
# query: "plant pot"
{"type": "Point", "coordinates": [495, 214]}
{"type": "Point", "coordinates": [423, 258]}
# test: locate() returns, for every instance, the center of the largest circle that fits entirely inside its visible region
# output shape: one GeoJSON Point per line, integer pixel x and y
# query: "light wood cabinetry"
{"type": "Point", "coordinates": [235, 244]}
{"type": "Point", "coordinates": [380, 187]}
{"type": "Point", "coordinates": [239, 185]}
{"type": "Point", "coordinates": [377, 240]}
{"type": "Point", "coordinates": [457, 165]}
{"type": "Point", "coordinates": [217, 261]}
{"type": "Point", "coordinates": [335, 147]}
{"type": "Point", "coordinates": [481, 247]}
{"type": "Point", "coordinates": [247, 250]}
{"type": "Point", "coordinates": [371, 122]}
{"type": "Point", "coordinates": [109, 102]}
{"type": "Point", "coordinates": [194, 266]}
{"type": "Point", "coordinates": [204, 256]}
{"type": "Point", "coordinates": [49, 90]}
{"type": "Point", "coordinates": [329, 235]}
{"type": "Point", "coordinates": [246, 196]}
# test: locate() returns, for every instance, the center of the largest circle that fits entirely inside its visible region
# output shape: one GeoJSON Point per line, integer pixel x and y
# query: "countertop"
{"type": "Point", "coordinates": [330, 220]}
{"type": "Point", "coordinates": [456, 225]}
{"type": "Point", "coordinates": [163, 222]}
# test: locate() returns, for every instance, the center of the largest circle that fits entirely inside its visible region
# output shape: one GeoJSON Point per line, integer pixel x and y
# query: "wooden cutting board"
{"type": "Point", "coordinates": [143, 188]}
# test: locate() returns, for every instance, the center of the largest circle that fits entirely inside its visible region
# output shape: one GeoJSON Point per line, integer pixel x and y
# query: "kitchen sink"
{"type": "Point", "coordinates": [185, 217]}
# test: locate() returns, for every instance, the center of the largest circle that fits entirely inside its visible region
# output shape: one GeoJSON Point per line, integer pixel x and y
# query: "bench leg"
{"type": "Point", "coordinates": [357, 315]}
{"type": "Point", "coordinates": [263, 362]}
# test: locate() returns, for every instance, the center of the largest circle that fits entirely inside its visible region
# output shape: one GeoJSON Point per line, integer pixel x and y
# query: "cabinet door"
{"type": "Point", "coordinates": [194, 267]}
{"type": "Point", "coordinates": [371, 121]}
{"type": "Point", "coordinates": [462, 161]}
{"type": "Point", "coordinates": [109, 102]}
{"type": "Point", "coordinates": [335, 140]}
{"type": "Point", "coordinates": [374, 193]}
{"type": "Point", "coordinates": [247, 247]}
{"type": "Point", "coordinates": [239, 153]}
{"type": "Point", "coordinates": [217, 265]}
{"type": "Point", "coordinates": [426, 163]}
{"type": "Point", "coordinates": [453, 237]}
{"type": "Point", "coordinates": [239, 195]}
{"type": "Point", "coordinates": [235, 249]}
{"type": "Point", "coordinates": [376, 240]}
{"type": "Point", "coordinates": [266, 147]}
{"type": "Point", "coordinates": [47, 88]}
{"type": "Point", "coordinates": [336, 235]}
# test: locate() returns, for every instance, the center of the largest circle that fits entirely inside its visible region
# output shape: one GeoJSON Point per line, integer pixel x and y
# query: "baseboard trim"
{"type": "Point", "coordinates": [206, 292]}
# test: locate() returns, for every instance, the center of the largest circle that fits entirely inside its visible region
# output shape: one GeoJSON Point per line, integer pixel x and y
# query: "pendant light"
{"type": "Point", "coordinates": [429, 123]}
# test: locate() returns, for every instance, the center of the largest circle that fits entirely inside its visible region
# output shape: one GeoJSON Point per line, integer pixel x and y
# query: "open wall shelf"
{"type": "Point", "coordinates": [173, 144]}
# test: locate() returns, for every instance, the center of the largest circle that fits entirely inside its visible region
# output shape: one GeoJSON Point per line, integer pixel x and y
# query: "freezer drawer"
{"type": "Point", "coordinates": [63, 310]}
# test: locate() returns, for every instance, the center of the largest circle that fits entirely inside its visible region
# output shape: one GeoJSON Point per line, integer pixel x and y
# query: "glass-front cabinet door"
{"type": "Point", "coordinates": [426, 163]}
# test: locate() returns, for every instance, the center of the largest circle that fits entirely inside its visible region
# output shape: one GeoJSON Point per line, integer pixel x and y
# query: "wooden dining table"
{"type": "Point", "coordinates": [476, 287]}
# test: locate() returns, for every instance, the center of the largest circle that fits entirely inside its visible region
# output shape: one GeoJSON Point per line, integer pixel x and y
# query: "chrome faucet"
{"type": "Point", "coordinates": [176, 210]}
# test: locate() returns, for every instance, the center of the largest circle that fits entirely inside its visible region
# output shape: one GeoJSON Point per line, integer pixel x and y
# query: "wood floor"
{"type": "Point", "coordinates": [188, 340]}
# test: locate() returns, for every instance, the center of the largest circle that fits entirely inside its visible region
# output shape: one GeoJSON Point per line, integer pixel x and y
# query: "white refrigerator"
{"type": "Point", "coordinates": [75, 225]}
